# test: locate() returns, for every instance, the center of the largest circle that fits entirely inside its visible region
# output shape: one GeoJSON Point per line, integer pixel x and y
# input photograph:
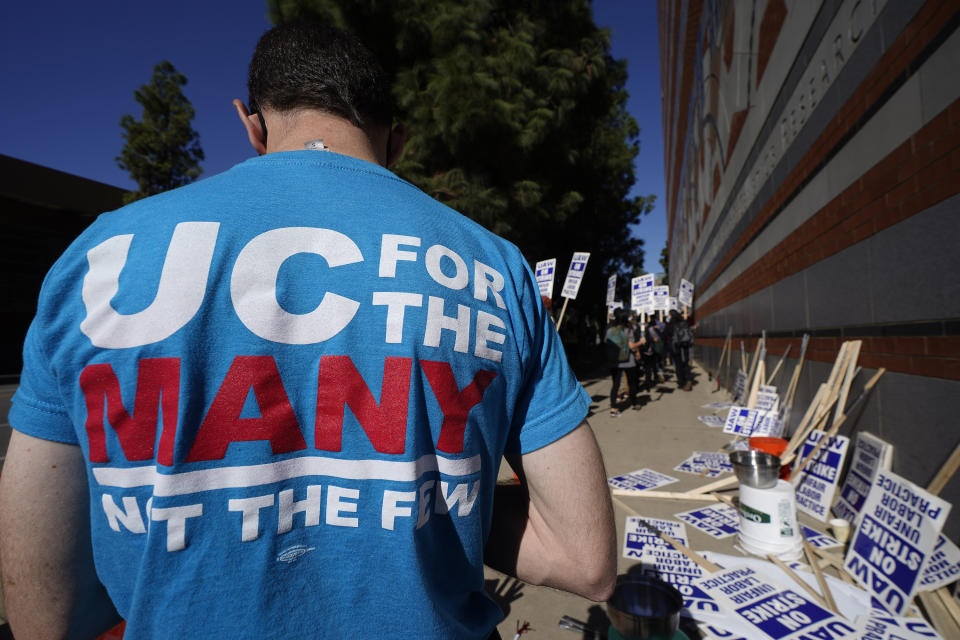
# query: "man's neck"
{"type": "Point", "coordinates": [293, 131]}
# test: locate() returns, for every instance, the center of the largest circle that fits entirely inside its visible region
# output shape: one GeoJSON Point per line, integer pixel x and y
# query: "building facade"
{"type": "Point", "coordinates": [812, 152]}
{"type": "Point", "coordinates": [43, 211]}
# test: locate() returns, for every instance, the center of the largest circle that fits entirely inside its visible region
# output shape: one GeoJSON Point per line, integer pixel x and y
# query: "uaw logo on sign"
{"type": "Point", "coordinates": [899, 527]}
{"type": "Point", "coordinates": [641, 293]}
{"type": "Point", "coordinates": [661, 297]}
{"type": "Point", "coordinates": [578, 265]}
{"type": "Point", "coordinates": [545, 270]}
{"type": "Point", "coordinates": [685, 294]}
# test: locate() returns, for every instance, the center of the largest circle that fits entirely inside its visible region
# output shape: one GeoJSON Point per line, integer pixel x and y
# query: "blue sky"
{"type": "Point", "coordinates": [70, 68]}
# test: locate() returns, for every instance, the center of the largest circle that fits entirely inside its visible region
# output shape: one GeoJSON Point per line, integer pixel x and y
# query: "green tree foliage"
{"type": "Point", "coordinates": [517, 119]}
{"type": "Point", "coordinates": [162, 150]}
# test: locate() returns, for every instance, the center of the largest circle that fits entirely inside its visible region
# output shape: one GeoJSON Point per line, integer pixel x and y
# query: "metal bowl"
{"type": "Point", "coordinates": [755, 468]}
{"type": "Point", "coordinates": [644, 607]}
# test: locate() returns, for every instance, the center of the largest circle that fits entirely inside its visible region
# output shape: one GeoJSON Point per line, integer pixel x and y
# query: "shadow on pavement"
{"type": "Point", "coordinates": [503, 592]}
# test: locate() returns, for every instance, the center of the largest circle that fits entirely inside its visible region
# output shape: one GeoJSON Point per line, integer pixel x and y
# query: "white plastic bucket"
{"type": "Point", "coordinates": [768, 521]}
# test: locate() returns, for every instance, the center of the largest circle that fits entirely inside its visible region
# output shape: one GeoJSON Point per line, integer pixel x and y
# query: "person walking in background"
{"type": "Point", "coordinates": [682, 340]}
{"type": "Point", "coordinates": [647, 347]}
{"type": "Point", "coordinates": [660, 346]}
{"type": "Point", "coordinates": [619, 347]}
{"type": "Point", "coordinates": [189, 463]}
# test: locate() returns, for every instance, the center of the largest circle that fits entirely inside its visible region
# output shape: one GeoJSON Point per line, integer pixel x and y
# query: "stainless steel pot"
{"type": "Point", "coordinates": [644, 608]}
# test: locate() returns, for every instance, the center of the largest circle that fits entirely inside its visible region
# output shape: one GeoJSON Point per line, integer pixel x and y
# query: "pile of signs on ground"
{"type": "Point", "coordinates": [891, 575]}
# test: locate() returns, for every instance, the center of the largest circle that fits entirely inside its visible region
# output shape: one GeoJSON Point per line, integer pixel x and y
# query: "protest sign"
{"type": "Point", "coordinates": [611, 289]}
{"type": "Point", "coordinates": [767, 398]}
{"type": "Point", "coordinates": [819, 540]}
{"type": "Point", "coordinates": [640, 479]}
{"type": "Point", "coordinates": [943, 566]}
{"type": "Point", "coordinates": [740, 419]}
{"type": "Point", "coordinates": [641, 293]}
{"type": "Point", "coordinates": [685, 294]}
{"type": "Point", "coordinates": [718, 521]}
{"type": "Point", "coordinates": [545, 271]}
{"type": "Point", "coordinates": [706, 463]}
{"type": "Point", "coordinates": [851, 600]}
{"type": "Point", "coordinates": [712, 421]}
{"type": "Point", "coordinates": [878, 625]}
{"type": "Point", "coordinates": [771, 609]}
{"type": "Point", "coordinates": [752, 422]}
{"type": "Point", "coordinates": [575, 274]}
{"type": "Point", "coordinates": [717, 405]}
{"type": "Point", "coordinates": [660, 298]}
{"type": "Point", "coordinates": [870, 454]}
{"type": "Point", "coordinates": [739, 385]}
{"type": "Point", "coordinates": [818, 481]}
{"type": "Point", "coordinates": [769, 423]}
{"type": "Point", "coordinates": [672, 304]}
{"type": "Point", "coordinates": [899, 526]}
{"type": "Point", "coordinates": [681, 572]}
{"type": "Point", "coordinates": [637, 536]}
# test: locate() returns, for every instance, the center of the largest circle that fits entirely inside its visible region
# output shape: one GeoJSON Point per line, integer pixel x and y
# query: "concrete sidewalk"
{"type": "Point", "coordinates": [659, 436]}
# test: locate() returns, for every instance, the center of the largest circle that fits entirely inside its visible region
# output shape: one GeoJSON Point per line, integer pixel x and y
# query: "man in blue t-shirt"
{"type": "Point", "coordinates": [274, 403]}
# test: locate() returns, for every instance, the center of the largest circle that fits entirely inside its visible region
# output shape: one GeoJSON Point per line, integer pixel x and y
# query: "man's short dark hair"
{"type": "Point", "coordinates": [311, 65]}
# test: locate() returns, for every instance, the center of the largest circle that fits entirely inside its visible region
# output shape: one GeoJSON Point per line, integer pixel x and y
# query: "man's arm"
{"type": "Point", "coordinates": [50, 588]}
{"type": "Point", "coordinates": [557, 527]}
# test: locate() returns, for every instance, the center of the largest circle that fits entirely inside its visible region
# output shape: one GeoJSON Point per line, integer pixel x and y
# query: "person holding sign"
{"type": "Point", "coordinates": [274, 403]}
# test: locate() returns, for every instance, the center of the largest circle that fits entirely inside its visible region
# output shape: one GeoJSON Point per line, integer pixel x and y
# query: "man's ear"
{"type": "Point", "coordinates": [252, 124]}
{"type": "Point", "coordinates": [397, 138]}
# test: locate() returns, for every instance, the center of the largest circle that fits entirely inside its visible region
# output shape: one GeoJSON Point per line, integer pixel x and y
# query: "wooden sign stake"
{"type": "Point", "coordinates": [562, 311]}
{"type": "Point", "coordinates": [794, 380]}
{"type": "Point", "coordinates": [946, 472]}
{"type": "Point", "coordinates": [800, 581]}
{"type": "Point", "coordinates": [801, 433]}
{"type": "Point", "coordinates": [705, 564]}
{"type": "Point", "coordinates": [716, 485]}
{"type": "Point", "coordinates": [795, 476]}
{"type": "Point", "coordinates": [852, 355]}
{"type": "Point", "coordinates": [666, 495]}
{"type": "Point", "coordinates": [824, 588]}
{"type": "Point", "coordinates": [779, 364]}
{"type": "Point", "coordinates": [755, 387]}
{"type": "Point", "coordinates": [753, 365]}
{"type": "Point", "coordinates": [723, 353]}
{"type": "Point", "coordinates": [950, 604]}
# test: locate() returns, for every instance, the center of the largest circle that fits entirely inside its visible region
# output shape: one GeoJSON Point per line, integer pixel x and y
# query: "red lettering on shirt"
{"type": "Point", "coordinates": [223, 424]}
{"type": "Point", "coordinates": [340, 384]}
{"type": "Point", "coordinates": [158, 386]}
{"type": "Point", "coordinates": [454, 403]}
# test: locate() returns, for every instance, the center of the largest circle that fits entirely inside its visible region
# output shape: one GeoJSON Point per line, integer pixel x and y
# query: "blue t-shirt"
{"type": "Point", "coordinates": [293, 384]}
